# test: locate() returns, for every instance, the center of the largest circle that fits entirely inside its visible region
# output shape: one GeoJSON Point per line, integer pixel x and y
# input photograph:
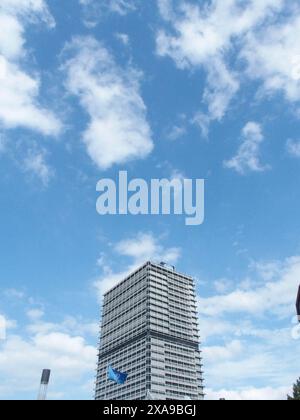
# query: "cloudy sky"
{"type": "Point", "coordinates": [186, 88]}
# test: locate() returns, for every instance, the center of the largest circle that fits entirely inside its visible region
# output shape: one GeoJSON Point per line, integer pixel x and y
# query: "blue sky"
{"type": "Point", "coordinates": [195, 89]}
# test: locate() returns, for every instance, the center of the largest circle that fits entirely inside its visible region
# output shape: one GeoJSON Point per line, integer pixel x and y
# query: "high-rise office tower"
{"type": "Point", "coordinates": [150, 331]}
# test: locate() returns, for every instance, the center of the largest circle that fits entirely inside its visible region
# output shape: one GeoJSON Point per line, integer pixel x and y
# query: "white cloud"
{"type": "Point", "coordinates": [166, 9]}
{"type": "Point", "coordinates": [238, 350]}
{"type": "Point", "coordinates": [2, 327]}
{"type": "Point", "coordinates": [69, 325]}
{"type": "Point", "coordinates": [194, 46]}
{"type": "Point", "coordinates": [249, 394]}
{"type": "Point", "coordinates": [62, 348]}
{"type": "Point", "coordinates": [220, 36]}
{"type": "Point", "coordinates": [202, 33]}
{"type": "Point", "coordinates": [36, 165]}
{"type": "Point", "coordinates": [222, 285]}
{"type": "Point", "coordinates": [222, 85]}
{"type": "Point", "coordinates": [212, 327]}
{"type": "Point", "coordinates": [242, 341]}
{"type": "Point", "coordinates": [14, 294]}
{"type": "Point", "coordinates": [247, 158]}
{"type": "Point", "coordinates": [19, 105]}
{"type": "Point", "coordinates": [32, 9]}
{"type": "Point", "coordinates": [145, 247]}
{"type": "Point", "coordinates": [274, 297]}
{"type": "Point", "coordinates": [94, 10]}
{"type": "Point", "coordinates": [227, 352]}
{"type": "Point", "coordinates": [261, 362]}
{"type": "Point", "coordinates": [118, 131]}
{"type": "Point", "coordinates": [142, 248]}
{"type": "Point", "coordinates": [122, 7]}
{"type": "Point", "coordinates": [3, 141]}
{"type": "Point", "coordinates": [18, 101]}
{"type": "Point", "coordinates": [123, 38]}
{"type": "Point", "coordinates": [35, 314]}
{"type": "Point", "coordinates": [11, 39]}
{"type": "Point", "coordinates": [267, 271]}
{"type": "Point", "coordinates": [293, 148]}
{"type": "Point", "coordinates": [6, 324]}
{"type": "Point", "coordinates": [176, 132]}
{"type": "Point", "coordinates": [273, 55]}
{"type": "Point", "coordinates": [21, 362]}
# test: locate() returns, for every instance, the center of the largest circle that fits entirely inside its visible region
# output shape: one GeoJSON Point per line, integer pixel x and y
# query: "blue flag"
{"type": "Point", "coordinates": [115, 376]}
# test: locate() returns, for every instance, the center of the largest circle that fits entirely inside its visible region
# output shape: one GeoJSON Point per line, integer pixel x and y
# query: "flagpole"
{"type": "Point", "coordinates": [115, 376]}
{"type": "Point", "coordinates": [106, 384]}
{"type": "Point", "coordinates": [298, 305]}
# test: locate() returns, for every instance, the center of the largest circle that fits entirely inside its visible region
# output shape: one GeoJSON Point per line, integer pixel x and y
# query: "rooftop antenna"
{"type": "Point", "coordinates": [164, 264]}
{"type": "Point", "coordinates": [298, 305]}
{"type": "Point", "coordinates": [44, 385]}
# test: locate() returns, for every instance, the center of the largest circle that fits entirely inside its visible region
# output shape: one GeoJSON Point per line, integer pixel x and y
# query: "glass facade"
{"type": "Point", "coordinates": [150, 331]}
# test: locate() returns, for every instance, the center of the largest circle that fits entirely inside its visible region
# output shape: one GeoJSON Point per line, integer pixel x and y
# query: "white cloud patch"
{"type": "Point", "coordinates": [123, 38]}
{"type": "Point", "coordinates": [35, 314]}
{"type": "Point", "coordinates": [249, 394]}
{"type": "Point", "coordinates": [293, 148]}
{"type": "Point", "coordinates": [248, 155]}
{"type": "Point", "coordinates": [254, 360]}
{"type": "Point", "coordinates": [34, 9]}
{"type": "Point", "coordinates": [273, 55]}
{"type": "Point", "coordinates": [276, 296]}
{"type": "Point", "coordinates": [69, 325]}
{"type": "Point", "coordinates": [222, 285]}
{"type": "Point", "coordinates": [122, 7]}
{"type": "Point", "coordinates": [140, 249]}
{"type": "Point", "coordinates": [222, 85]}
{"type": "Point", "coordinates": [229, 351]}
{"type": "Point", "coordinates": [145, 247]}
{"type": "Point", "coordinates": [14, 294]}
{"type": "Point", "coordinates": [176, 132]}
{"type": "Point", "coordinates": [250, 335]}
{"type": "Point", "coordinates": [21, 362]}
{"type": "Point", "coordinates": [59, 347]}
{"type": "Point", "coordinates": [95, 9]}
{"type": "Point", "coordinates": [118, 131]}
{"type": "Point", "coordinates": [3, 142]}
{"type": "Point", "coordinates": [11, 39]}
{"type": "Point", "coordinates": [35, 164]}
{"type": "Point", "coordinates": [19, 99]}
{"type": "Point", "coordinates": [233, 41]}
{"type": "Point", "coordinates": [6, 324]}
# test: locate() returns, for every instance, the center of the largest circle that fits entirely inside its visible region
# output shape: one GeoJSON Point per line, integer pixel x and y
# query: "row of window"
{"type": "Point", "coordinates": [181, 386]}
{"type": "Point", "coordinates": [115, 342]}
{"type": "Point", "coordinates": [179, 349]}
{"type": "Point", "coordinates": [178, 357]}
{"type": "Point", "coordinates": [173, 369]}
{"type": "Point", "coordinates": [139, 392]}
{"type": "Point", "coordinates": [126, 324]}
{"type": "Point", "coordinates": [122, 312]}
{"type": "Point", "coordinates": [182, 280]}
{"type": "Point", "coordinates": [124, 299]}
{"type": "Point", "coordinates": [181, 379]}
{"type": "Point", "coordinates": [124, 288]}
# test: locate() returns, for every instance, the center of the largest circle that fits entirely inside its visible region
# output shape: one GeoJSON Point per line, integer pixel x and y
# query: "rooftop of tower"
{"type": "Point", "coordinates": [159, 265]}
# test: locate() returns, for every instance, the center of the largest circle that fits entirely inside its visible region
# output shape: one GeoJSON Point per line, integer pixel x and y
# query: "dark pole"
{"type": "Point", "coordinates": [44, 384]}
{"type": "Point", "coordinates": [298, 305]}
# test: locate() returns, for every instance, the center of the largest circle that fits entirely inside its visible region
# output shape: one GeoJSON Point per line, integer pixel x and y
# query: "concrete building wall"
{"type": "Point", "coordinates": [150, 330]}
